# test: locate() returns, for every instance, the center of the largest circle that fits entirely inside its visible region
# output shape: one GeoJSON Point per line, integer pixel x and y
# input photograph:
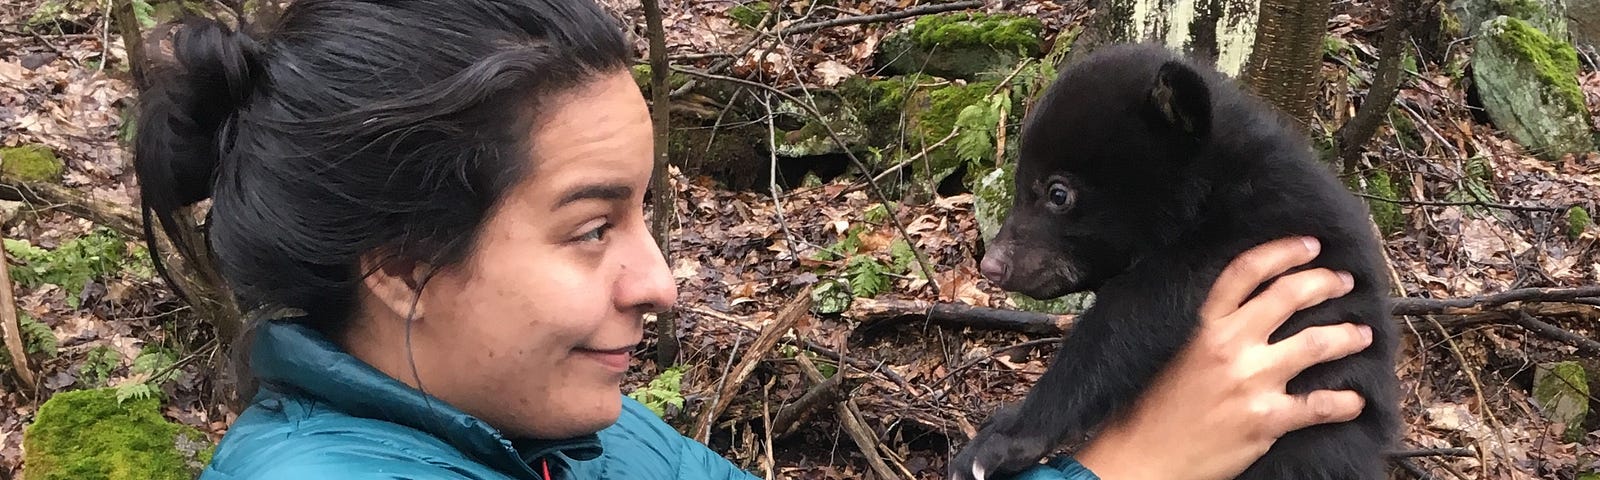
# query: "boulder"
{"type": "Point", "coordinates": [89, 434]}
{"type": "Point", "coordinates": [1583, 23]}
{"type": "Point", "coordinates": [1562, 391]}
{"type": "Point", "coordinates": [1549, 16]}
{"type": "Point", "coordinates": [961, 45]}
{"type": "Point", "coordinates": [1528, 84]}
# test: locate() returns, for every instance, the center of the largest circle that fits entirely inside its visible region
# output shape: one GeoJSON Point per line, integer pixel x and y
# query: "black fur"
{"type": "Point", "coordinates": [1171, 171]}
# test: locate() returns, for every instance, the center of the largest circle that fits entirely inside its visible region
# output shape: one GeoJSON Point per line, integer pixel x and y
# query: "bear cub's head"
{"type": "Point", "coordinates": [1106, 171]}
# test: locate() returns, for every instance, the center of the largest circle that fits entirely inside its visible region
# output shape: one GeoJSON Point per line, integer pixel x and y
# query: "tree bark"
{"type": "Point", "coordinates": [660, 181]}
{"type": "Point", "coordinates": [1283, 65]}
{"type": "Point", "coordinates": [1351, 137]}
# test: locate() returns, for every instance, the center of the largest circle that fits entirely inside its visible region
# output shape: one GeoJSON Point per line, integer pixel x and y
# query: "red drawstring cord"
{"type": "Point", "coordinates": [546, 465]}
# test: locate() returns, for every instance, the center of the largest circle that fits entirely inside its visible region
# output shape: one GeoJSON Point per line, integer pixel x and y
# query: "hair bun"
{"type": "Point", "coordinates": [188, 108]}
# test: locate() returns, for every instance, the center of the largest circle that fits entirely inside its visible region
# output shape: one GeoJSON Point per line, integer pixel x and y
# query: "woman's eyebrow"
{"type": "Point", "coordinates": [602, 191]}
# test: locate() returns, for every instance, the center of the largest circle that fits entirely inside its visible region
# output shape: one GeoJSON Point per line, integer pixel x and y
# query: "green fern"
{"type": "Point", "coordinates": [98, 365]}
{"type": "Point", "coordinates": [100, 254]}
{"type": "Point", "coordinates": [37, 336]}
{"type": "Point", "coordinates": [665, 389]}
{"type": "Point", "coordinates": [136, 391]}
{"type": "Point", "coordinates": [867, 276]}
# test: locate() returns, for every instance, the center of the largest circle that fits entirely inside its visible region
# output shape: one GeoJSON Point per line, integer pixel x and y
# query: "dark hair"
{"type": "Point", "coordinates": [354, 127]}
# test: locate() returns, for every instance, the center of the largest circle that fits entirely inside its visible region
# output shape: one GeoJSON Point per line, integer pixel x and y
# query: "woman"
{"type": "Point", "coordinates": [450, 194]}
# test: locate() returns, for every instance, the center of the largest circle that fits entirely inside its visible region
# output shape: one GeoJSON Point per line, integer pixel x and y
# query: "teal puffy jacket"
{"type": "Point", "coordinates": [324, 414]}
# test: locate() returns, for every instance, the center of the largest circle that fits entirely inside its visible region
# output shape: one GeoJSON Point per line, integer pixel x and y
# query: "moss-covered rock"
{"type": "Point", "coordinates": [916, 113]}
{"type": "Point", "coordinates": [32, 162]}
{"type": "Point", "coordinates": [641, 77]}
{"type": "Point", "coordinates": [1577, 221]}
{"type": "Point", "coordinates": [961, 45]}
{"type": "Point", "coordinates": [1529, 87]}
{"type": "Point", "coordinates": [1562, 390]}
{"type": "Point", "coordinates": [800, 134]}
{"type": "Point", "coordinates": [88, 434]}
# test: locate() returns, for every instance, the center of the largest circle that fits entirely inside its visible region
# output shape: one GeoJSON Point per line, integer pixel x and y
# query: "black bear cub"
{"type": "Point", "coordinates": [1142, 175]}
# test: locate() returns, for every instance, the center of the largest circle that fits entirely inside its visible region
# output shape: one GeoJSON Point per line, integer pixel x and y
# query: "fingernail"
{"type": "Point", "coordinates": [1366, 333]}
{"type": "Point", "coordinates": [1311, 244]}
{"type": "Point", "coordinates": [1349, 281]}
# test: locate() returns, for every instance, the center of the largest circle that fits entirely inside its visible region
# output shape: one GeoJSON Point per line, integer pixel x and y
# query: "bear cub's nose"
{"type": "Point", "coordinates": [996, 265]}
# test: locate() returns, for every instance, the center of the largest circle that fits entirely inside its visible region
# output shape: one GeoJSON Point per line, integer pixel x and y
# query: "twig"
{"type": "Point", "coordinates": [924, 152]}
{"type": "Point", "coordinates": [851, 421]}
{"type": "Point", "coordinates": [814, 347]}
{"type": "Point", "coordinates": [1412, 467]}
{"type": "Point", "coordinates": [1527, 321]}
{"type": "Point", "coordinates": [995, 353]}
{"type": "Point", "coordinates": [1433, 452]}
{"type": "Point", "coordinates": [922, 259]}
{"type": "Point", "coordinates": [1477, 390]}
{"type": "Point", "coordinates": [1421, 306]}
{"type": "Point", "coordinates": [772, 178]}
{"type": "Point", "coordinates": [882, 17]}
{"type": "Point", "coordinates": [821, 394]}
{"type": "Point", "coordinates": [13, 326]}
{"type": "Point", "coordinates": [762, 345]}
{"type": "Point", "coordinates": [1473, 203]}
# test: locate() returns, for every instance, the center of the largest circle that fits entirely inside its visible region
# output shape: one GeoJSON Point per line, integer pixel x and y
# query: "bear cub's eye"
{"type": "Point", "coordinates": [1060, 196]}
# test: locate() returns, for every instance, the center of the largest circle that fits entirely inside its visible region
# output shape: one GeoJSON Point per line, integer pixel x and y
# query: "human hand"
{"type": "Point", "coordinates": [1222, 402]}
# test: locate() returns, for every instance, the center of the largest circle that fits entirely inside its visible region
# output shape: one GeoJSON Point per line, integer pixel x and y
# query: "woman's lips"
{"type": "Point", "coordinates": [614, 359]}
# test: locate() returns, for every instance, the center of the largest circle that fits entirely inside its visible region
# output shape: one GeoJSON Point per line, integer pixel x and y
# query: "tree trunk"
{"type": "Point", "coordinates": [1217, 31]}
{"type": "Point", "coordinates": [660, 183]}
{"type": "Point", "coordinates": [1288, 50]}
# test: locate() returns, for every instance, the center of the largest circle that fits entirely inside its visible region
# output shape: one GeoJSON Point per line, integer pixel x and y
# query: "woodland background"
{"type": "Point", "coordinates": [833, 166]}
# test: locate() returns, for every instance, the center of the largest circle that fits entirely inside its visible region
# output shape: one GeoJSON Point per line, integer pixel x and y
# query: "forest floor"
{"type": "Point", "coordinates": [919, 387]}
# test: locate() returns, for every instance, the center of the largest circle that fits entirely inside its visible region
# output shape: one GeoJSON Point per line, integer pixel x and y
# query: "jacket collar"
{"type": "Point", "coordinates": [307, 363]}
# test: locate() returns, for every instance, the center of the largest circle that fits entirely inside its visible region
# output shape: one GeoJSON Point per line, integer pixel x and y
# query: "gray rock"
{"type": "Point", "coordinates": [1528, 83]}
{"type": "Point", "coordinates": [1549, 16]}
{"type": "Point", "coordinates": [1562, 390]}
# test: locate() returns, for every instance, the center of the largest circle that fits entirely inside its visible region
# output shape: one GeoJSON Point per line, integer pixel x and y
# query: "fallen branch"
{"type": "Point", "coordinates": [1527, 321]}
{"type": "Point", "coordinates": [1472, 203]}
{"type": "Point", "coordinates": [1433, 452]}
{"type": "Point", "coordinates": [756, 351]}
{"type": "Point", "coordinates": [879, 313]}
{"type": "Point", "coordinates": [55, 197]}
{"type": "Point", "coordinates": [850, 419]}
{"type": "Point", "coordinates": [876, 313]}
{"type": "Point", "coordinates": [882, 17]}
{"type": "Point", "coordinates": [816, 348]}
{"type": "Point", "coordinates": [1425, 306]}
{"type": "Point", "coordinates": [12, 326]}
{"type": "Point", "coordinates": [790, 415]}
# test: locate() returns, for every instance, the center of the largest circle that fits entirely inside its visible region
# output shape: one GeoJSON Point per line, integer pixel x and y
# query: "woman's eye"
{"type": "Point", "coordinates": [596, 234]}
{"type": "Point", "coordinates": [1060, 195]}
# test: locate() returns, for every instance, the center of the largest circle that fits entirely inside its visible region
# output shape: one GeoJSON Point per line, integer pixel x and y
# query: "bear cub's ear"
{"type": "Point", "coordinates": [1181, 100]}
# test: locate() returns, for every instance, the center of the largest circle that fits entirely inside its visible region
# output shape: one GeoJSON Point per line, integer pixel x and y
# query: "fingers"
{"type": "Point", "coordinates": [1316, 345]}
{"type": "Point", "coordinates": [1321, 406]}
{"type": "Point", "coordinates": [1287, 295]}
{"type": "Point", "coordinates": [1252, 268]}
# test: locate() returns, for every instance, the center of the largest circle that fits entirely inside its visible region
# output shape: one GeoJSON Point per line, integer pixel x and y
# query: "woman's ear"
{"type": "Point", "coordinates": [396, 283]}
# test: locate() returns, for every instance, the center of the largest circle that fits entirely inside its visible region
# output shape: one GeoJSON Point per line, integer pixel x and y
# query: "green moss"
{"type": "Point", "coordinates": [1001, 32]}
{"type": "Point", "coordinates": [33, 162]}
{"type": "Point", "coordinates": [1555, 62]}
{"type": "Point", "coordinates": [1334, 46]}
{"type": "Point", "coordinates": [1386, 214]}
{"type": "Point", "coordinates": [749, 14]}
{"type": "Point", "coordinates": [87, 434]}
{"type": "Point", "coordinates": [1562, 390]}
{"type": "Point", "coordinates": [641, 77]}
{"type": "Point", "coordinates": [1577, 221]}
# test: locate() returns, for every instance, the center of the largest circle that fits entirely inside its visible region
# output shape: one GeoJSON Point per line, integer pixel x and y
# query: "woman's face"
{"type": "Point", "coordinates": [533, 331]}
